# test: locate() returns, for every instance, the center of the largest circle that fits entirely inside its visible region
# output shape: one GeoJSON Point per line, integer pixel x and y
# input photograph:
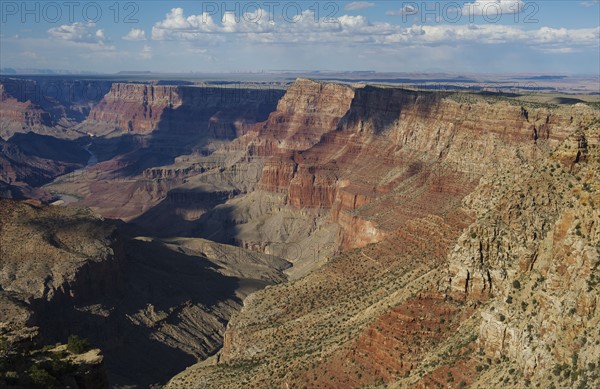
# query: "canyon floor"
{"type": "Point", "coordinates": [306, 235]}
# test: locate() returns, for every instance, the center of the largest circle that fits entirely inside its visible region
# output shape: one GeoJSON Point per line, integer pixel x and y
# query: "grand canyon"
{"type": "Point", "coordinates": [297, 234]}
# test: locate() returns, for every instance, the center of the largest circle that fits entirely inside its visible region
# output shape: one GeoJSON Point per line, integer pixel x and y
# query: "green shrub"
{"type": "Point", "coordinates": [591, 366]}
{"type": "Point", "coordinates": [516, 284]}
{"type": "Point", "coordinates": [5, 346]}
{"type": "Point", "coordinates": [40, 378]}
{"type": "Point", "coordinates": [77, 345]}
{"type": "Point", "coordinates": [61, 367]}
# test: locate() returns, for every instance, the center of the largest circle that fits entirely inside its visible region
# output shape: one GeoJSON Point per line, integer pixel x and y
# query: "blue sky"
{"type": "Point", "coordinates": [484, 36]}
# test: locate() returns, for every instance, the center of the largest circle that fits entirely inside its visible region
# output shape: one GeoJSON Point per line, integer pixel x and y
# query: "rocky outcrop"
{"type": "Point", "coordinates": [47, 105]}
{"type": "Point", "coordinates": [20, 116]}
{"type": "Point", "coordinates": [535, 254]}
{"type": "Point", "coordinates": [80, 274]}
{"type": "Point", "coordinates": [148, 128]}
{"type": "Point", "coordinates": [135, 107]}
{"type": "Point", "coordinates": [55, 266]}
{"type": "Point", "coordinates": [370, 140]}
{"type": "Point", "coordinates": [308, 110]}
{"type": "Point", "coordinates": [221, 113]}
{"type": "Point", "coordinates": [415, 181]}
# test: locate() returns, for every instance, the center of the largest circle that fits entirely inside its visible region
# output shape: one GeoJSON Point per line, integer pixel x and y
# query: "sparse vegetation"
{"type": "Point", "coordinates": [77, 345]}
{"type": "Point", "coordinates": [41, 378]}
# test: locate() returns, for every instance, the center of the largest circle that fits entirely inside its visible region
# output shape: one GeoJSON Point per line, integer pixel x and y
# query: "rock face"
{"type": "Point", "coordinates": [307, 111]}
{"type": "Point", "coordinates": [148, 128]}
{"type": "Point", "coordinates": [455, 237]}
{"type": "Point", "coordinates": [163, 297]}
{"type": "Point", "coordinates": [135, 107]}
{"type": "Point", "coordinates": [440, 198]}
{"type": "Point", "coordinates": [535, 253]}
{"type": "Point", "coordinates": [221, 113]}
{"type": "Point", "coordinates": [38, 273]}
{"type": "Point", "coordinates": [28, 161]}
{"type": "Point", "coordinates": [47, 105]}
{"type": "Point", "coordinates": [368, 141]}
{"type": "Point", "coordinates": [17, 116]}
{"type": "Point", "coordinates": [349, 153]}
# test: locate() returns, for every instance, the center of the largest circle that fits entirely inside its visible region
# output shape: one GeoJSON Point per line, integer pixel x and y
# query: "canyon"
{"type": "Point", "coordinates": [325, 235]}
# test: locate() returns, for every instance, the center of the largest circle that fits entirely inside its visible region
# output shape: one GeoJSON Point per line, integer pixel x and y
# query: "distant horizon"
{"type": "Point", "coordinates": [75, 72]}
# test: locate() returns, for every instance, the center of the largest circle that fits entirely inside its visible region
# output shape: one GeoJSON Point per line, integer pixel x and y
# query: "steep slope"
{"type": "Point", "coordinates": [333, 160]}
{"type": "Point", "coordinates": [18, 116]}
{"type": "Point", "coordinates": [28, 161]}
{"type": "Point", "coordinates": [150, 126]}
{"type": "Point", "coordinates": [399, 165]}
{"type": "Point", "coordinates": [392, 146]}
{"type": "Point", "coordinates": [221, 113]}
{"type": "Point", "coordinates": [79, 274]}
{"type": "Point", "coordinates": [39, 270]}
{"type": "Point", "coordinates": [535, 255]}
{"type": "Point", "coordinates": [47, 105]}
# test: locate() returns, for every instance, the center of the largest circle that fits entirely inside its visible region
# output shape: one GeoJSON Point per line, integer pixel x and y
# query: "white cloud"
{"type": "Point", "coordinates": [405, 10]}
{"type": "Point", "coordinates": [259, 27]}
{"type": "Point", "coordinates": [136, 34]}
{"type": "Point", "coordinates": [146, 52]}
{"type": "Point", "coordinates": [558, 50]}
{"type": "Point", "coordinates": [78, 32]}
{"type": "Point", "coordinates": [493, 8]}
{"type": "Point", "coordinates": [358, 5]}
{"type": "Point", "coordinates": [176, 26]}
{"type": "Point", "coordinates": [489, 8]}
{"type": "Point", "coordinates": [494, 34]}
{"type": "Point", "coordinates": [589, 3]}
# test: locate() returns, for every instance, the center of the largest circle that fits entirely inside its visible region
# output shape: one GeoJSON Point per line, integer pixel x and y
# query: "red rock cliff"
{"type": "Point", "coordinates": [363, 149]}
{"type": "Point", "coordinates": [145, 108]}
{"type": "Point", "coordinates": [19, 116]}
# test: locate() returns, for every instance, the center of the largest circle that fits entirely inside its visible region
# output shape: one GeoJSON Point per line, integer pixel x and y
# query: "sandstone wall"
{"type": "Point", "coordinates": [145, 108]}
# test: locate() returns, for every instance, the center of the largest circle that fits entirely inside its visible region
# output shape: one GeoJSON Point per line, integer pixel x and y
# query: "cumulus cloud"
{"type": "Point", "coordinates": [176, 26]}
{"type": "Point", "coordinates": [136, 34]}
{"type": "Point", "coordinates": [260, 27]}
{"type": "Point", "coordinates": [493, 8]}
{"type": "Point", "coordinates": [358, 5]}
{"type": "Point", "coordinates": [78, 32]}
{"type": "Point", "coordinates": [544, 37]}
